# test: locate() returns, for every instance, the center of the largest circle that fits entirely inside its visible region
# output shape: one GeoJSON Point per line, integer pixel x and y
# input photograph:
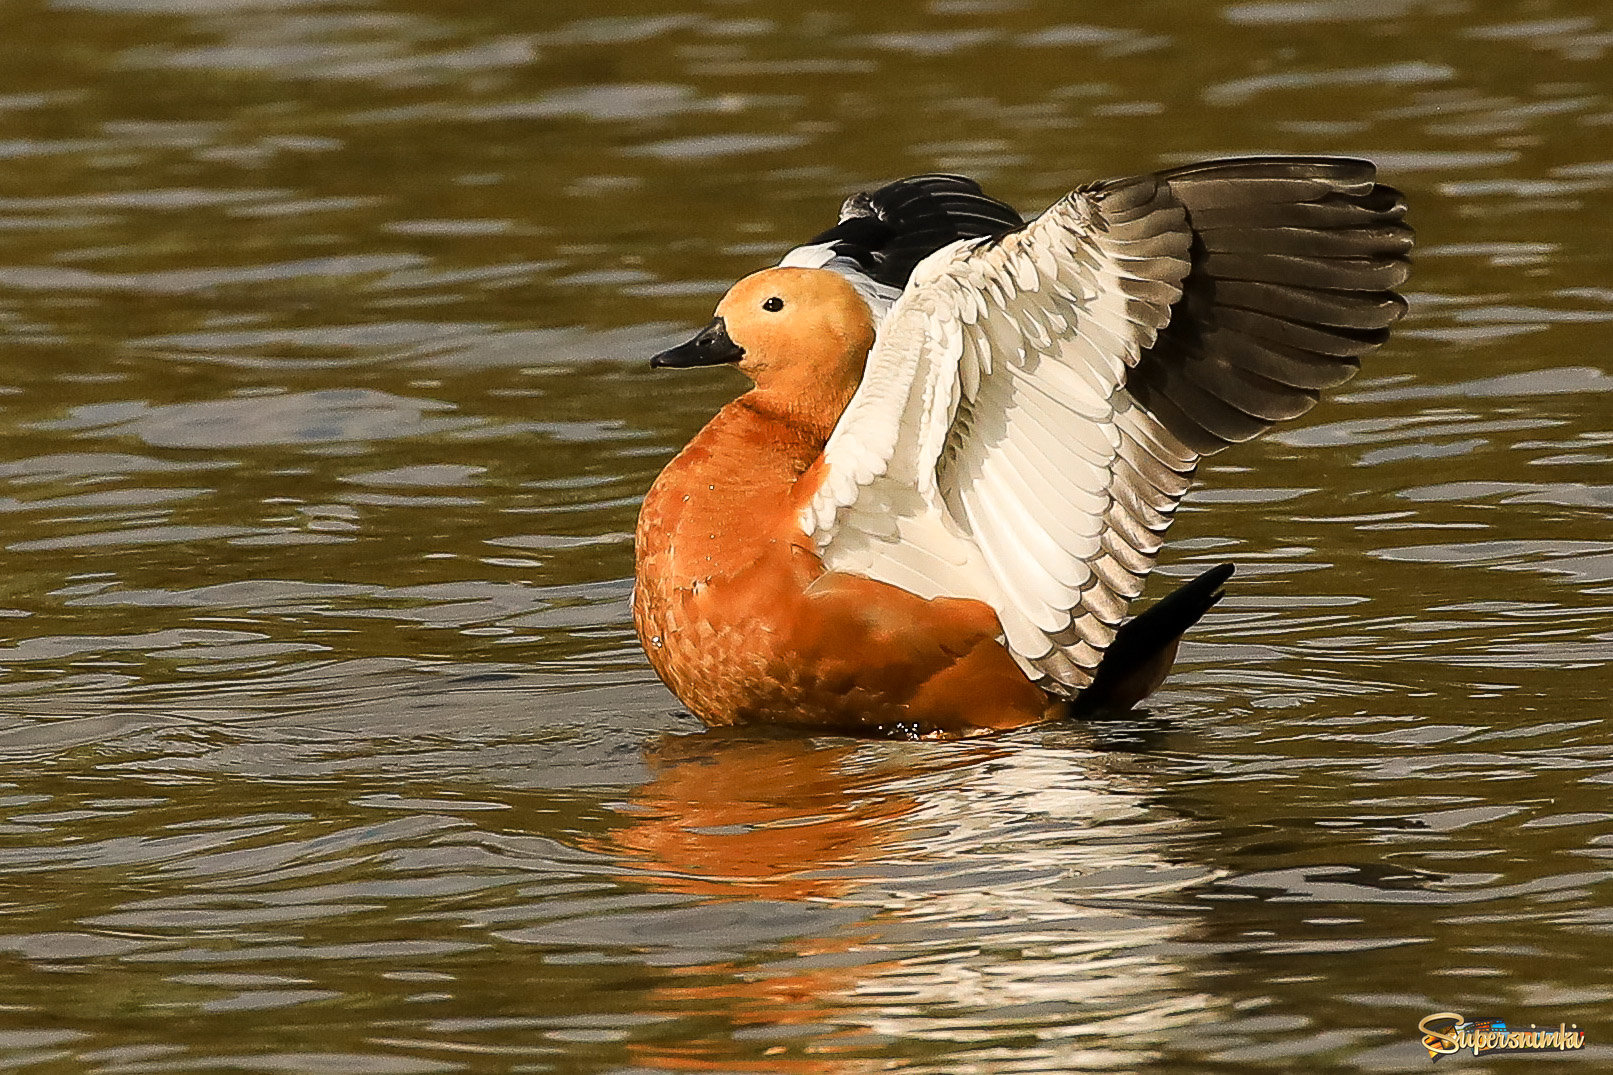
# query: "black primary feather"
{"type": "Point", "coordinates": [890, 230]}
{"type": "Point", "coordinates": [1295, 261]}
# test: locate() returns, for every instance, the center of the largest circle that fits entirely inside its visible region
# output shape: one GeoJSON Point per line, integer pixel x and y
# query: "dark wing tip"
{"type": "Point", "coordinates": [1295, 262]}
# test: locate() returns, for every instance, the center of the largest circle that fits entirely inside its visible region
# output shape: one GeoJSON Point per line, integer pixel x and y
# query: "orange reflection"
{"type": "Point", "coordinates": [727, 816]}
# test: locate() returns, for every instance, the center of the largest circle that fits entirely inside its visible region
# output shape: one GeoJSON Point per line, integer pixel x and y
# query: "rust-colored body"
{"type": "Point", "coordinates": [740, 619]}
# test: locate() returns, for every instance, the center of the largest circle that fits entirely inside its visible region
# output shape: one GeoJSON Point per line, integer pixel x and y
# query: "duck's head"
{"type": "Point", "coordinates": [798, 332]}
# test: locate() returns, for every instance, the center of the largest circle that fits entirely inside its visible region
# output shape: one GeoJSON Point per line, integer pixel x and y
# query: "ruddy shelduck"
{"type": "Point", "coordinates": [968, 435]}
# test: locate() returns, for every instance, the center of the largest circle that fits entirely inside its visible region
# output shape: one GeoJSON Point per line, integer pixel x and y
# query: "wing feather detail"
{"type": "Point", "coordinates": [1036, 402]}
{"type": "Point", "coordinates": [992, 389]}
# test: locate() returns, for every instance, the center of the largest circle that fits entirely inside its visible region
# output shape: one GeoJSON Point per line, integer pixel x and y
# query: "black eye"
{"type": "Point", "coordinates": [773, 305]}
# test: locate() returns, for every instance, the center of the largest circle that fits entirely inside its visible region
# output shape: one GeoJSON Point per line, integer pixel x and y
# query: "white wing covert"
{"type": "Point", "coordinates": [992, 451]}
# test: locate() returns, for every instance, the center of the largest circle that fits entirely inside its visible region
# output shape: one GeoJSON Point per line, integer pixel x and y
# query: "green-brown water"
{"type": "Point", "coordinates": [326, 744]}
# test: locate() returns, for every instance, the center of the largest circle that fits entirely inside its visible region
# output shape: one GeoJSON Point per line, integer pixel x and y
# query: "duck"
{"type": "Point", "coordinates": [967, 434]}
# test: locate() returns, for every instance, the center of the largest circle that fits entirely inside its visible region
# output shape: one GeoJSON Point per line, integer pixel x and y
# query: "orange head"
{"type": "Point", "coordinates": [801, 334]}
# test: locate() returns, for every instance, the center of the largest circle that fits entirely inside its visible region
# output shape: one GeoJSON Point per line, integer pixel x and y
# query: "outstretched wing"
{"type": "Point", "coordinates": [1035, 405]}
{"type": "Point", "coordinates": [883, 234]}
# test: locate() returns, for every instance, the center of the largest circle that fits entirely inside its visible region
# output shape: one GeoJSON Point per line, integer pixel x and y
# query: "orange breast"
{"type": "Point", "coordinates": [740, 619]}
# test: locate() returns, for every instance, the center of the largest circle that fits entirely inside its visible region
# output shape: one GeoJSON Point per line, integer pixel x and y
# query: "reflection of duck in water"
{"type": "Point", "coordinates": [968, 436]}
{"type": "Point", "coordinates": [727, 814]}
{"type": "Point", "coordinates": [859, 891]}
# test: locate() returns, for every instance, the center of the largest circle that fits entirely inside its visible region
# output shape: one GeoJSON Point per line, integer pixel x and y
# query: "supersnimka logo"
{"type": "Point", "coordinates": [1450, 1032]}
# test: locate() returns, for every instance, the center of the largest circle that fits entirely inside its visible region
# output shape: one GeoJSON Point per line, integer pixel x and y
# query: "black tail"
{"type": "Point", "coordinates": [1144, 648]}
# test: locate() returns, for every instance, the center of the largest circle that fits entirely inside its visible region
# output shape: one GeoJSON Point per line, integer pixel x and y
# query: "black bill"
{"type": "Point", "coordinates": [712, 347]}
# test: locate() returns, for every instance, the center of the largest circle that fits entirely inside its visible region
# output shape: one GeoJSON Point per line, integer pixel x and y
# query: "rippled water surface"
{"type": "Point", "coordinates": [326, 744]}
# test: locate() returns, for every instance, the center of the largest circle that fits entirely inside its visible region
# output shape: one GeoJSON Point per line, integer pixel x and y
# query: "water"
{"type": "Point", "coordinates": [326, 743]}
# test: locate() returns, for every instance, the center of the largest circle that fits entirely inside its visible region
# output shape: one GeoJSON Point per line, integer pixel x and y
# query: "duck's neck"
{"type": "Point", "coordinates": [743, 472]}
{"type": "Point", "coordinates": [757, 448]}
{"type": "Point", "coordinates": [801, 416]}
